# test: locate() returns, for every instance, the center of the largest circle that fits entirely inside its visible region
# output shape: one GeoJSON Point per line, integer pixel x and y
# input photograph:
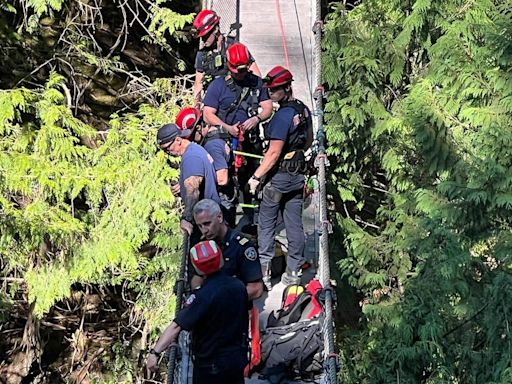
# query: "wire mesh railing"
{"type": "Point", "coordinates": [229, 12]}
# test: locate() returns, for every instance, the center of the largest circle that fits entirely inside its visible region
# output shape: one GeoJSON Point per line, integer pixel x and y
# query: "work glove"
{"type": "Point", "coordinates": [253, 182]}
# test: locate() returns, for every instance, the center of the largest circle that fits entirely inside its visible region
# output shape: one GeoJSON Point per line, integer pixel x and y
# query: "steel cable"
{"type": "Point", "coordinates": [172, 352]}
{"type": "Point", "coordinates": [325, 227]}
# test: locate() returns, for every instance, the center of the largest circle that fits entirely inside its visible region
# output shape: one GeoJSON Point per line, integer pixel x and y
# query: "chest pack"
{"type": "Point", "coordinates": [214, 62]}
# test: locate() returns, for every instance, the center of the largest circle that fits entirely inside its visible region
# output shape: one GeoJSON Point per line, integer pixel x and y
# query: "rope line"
{"type": "Point", "coordinates": [308, 80]}
{"type": "Point", "coordinates": [331, 361]}
{"type": "Point", "coordinates": [283, 35]}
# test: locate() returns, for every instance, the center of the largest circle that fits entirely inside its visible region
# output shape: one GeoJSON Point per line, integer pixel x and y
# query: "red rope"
{"type": "Point", "coordinates": [283, 36]}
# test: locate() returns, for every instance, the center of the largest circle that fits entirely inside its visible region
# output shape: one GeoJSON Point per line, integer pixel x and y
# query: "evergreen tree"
{"type": "Point", "coordinates": [419, 115]}
{"type": "Point", "coordinates": [89, 230]}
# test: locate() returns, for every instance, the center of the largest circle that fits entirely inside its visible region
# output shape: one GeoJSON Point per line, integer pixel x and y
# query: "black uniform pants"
{"type": "Point", "coordinates": [224, 370]}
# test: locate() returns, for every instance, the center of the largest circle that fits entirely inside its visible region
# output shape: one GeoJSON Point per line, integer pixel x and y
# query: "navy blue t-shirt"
{"type": "Point", "coordinates": [197, 162]}
{"type": "Point", "coordinates": [219, 151]}
{"type": "Point", "coordinates": [220, 97]}
{"type": "Point", "coordinates": [217, 315]}
{"type": "Point", "coordinates": [240, 257]}
{"type": "Point", "coordinates": [280, 127]}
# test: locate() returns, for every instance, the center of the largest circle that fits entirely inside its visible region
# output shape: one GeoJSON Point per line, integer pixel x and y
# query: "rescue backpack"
{"type": "Point", "coordinates": [292, 350]}
{"type": "Point", "coordinates": [298, 303]}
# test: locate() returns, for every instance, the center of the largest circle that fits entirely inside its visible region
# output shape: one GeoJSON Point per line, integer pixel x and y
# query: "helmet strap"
{"type": "Point", "coordinates": [288, 94]}
{"type": "Point", "coordinates": [219, 37]}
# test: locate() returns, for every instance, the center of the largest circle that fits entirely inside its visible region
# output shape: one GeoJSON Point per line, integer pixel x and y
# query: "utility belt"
{"type": "Point", "coordinates": [218, 133]}
{"type": "Point", "coordinates": [293, 162]}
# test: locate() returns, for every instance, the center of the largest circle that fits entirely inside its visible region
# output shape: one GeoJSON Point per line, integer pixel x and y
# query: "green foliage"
{"type": "Point", "coordinates": [165, 22]}
{"type": "Point", "coordinates": [122, 370]}
{"type": "Point", "coordinates": [41, 7]}
{"type": "Point", "coordinates": [82, 214]}
{"type": "Point", "coordinates": [419, 118]}
{"type": "Point", "coordinates": [85, 203]}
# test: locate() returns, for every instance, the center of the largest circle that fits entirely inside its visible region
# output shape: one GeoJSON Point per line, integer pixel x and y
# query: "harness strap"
{"type": "Point", "coordinates": [241, 94]}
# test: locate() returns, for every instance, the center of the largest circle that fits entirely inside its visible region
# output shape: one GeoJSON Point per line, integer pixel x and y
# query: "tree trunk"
{"type": "Point", "coordinates": [28, 352]}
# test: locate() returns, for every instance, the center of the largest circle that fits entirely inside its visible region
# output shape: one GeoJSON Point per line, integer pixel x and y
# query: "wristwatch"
{"type": "Point", "coordinates": [256, 178]}
{"type": "Point", "coordinates": [259, 118]}
{"type": "Point", "coordinates": [153, 352]}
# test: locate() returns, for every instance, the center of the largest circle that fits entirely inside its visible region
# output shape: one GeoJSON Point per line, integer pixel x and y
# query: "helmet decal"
{"type": "Point", "coordinates": [278, 76]}
{"type": "Point", "coordinates": [206, 257]}
{"type": "Point", "coordinates": [205, 21]}
{"type": "Point", "coordinates": [188, 117]}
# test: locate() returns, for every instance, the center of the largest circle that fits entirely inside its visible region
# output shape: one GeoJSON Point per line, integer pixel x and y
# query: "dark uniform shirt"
{"type": "Point", "coordinates": [240, 257]}
{"type": "Point", "coordinates": [219, 151]}
{"type": "Point", "coordinates": [217, 315]}
{"type": "Point", "coordinates": [284, 126]}
{"type": "Point", "coordinates": [220, 96]}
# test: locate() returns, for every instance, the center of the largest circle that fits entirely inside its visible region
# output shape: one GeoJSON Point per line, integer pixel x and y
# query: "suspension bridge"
{"type": "Point", "coordinates": [286, 33]}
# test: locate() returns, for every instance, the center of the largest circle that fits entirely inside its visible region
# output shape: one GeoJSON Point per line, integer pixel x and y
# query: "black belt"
{"type": "Point", "coordinates": [218, 133]}
{"type": "Point", "coordinates": [295, 164]}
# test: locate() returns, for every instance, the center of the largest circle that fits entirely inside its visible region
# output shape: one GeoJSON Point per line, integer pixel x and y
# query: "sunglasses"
{"type": "Point", "coordinates": [241, 69]}
{"type": "Point", "coordinates": [166, 146]}
{"type": "Point", "coordinates": [208, 34]}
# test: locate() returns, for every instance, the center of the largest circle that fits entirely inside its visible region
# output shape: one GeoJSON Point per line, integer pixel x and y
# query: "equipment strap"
{"type": "Point", "coordinates": [240, 96]}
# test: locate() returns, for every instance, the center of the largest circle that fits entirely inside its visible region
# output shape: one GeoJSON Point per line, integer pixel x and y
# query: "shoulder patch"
{"type": "Point", "coordinates": [251, 254]}
{"type": "Point", "coordinates": [243, 240]}
{"type": "Point", "coordinates": [190, 300]}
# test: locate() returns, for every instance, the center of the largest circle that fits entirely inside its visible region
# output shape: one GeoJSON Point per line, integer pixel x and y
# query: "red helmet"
{"type": "Point", "coordinates": [278, 76]}
{"type": "Point", "coordinates": [188, 118]}
{"type": "Point", "coordinates": [205, 21]}
{"type": "Point", "coordinates": [238, 57]}
{"type": "Point", "coordinates": [206, 257]}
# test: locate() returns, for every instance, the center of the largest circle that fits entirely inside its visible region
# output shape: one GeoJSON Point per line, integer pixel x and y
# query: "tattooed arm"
{"type": "Point", "coordinates": [190, 198]}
